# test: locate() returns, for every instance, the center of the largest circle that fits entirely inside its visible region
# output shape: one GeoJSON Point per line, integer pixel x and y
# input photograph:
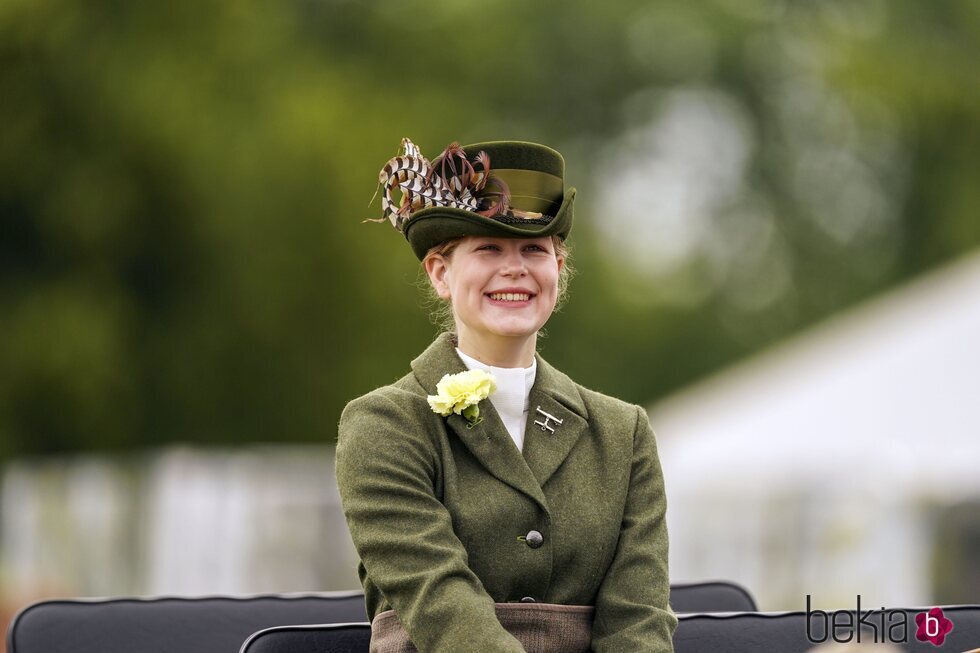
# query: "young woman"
{"type": "Point", "coordinates": [495, 504]}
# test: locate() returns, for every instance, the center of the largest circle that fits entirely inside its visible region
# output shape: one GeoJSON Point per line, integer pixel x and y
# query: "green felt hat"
{"type": "Point", "coordinates": [537, 203]}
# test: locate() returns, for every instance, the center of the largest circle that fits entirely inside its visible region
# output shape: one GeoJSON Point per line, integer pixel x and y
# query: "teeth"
{"type": "Point", "coordinates": [510, 296]}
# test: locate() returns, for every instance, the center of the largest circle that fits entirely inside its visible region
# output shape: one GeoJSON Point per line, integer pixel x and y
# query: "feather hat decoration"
{"type": "Point", "coordinates": [456, 195]}
{"type": "Point", "coordinates": [450, 180]}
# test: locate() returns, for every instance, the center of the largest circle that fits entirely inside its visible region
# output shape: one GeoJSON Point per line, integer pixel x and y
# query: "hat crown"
{"type": "Point", "coordinates": [519, 155]}
{"type": "Point", "coordinates": [533, 175]}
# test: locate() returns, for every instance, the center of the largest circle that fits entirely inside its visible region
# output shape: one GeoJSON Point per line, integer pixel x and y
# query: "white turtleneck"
{"type": "Point", "coordinates": [512, 396]}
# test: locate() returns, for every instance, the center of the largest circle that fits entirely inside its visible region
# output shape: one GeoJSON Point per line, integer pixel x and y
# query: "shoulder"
{"type": "Point", "coordinates": [622, 426]}
{"type": "Point", "coordinates": [394, 411]}
{"type": "Point", "coordinates": [404, 398]}
{"type": "Point", "coordinates": [614, 423]}
{"type": "Point", "coordinates": [388, 429]}
{"type": "Point", "coordinates": [611, 417]}
{"type": "Point", "coordinates": [612, 420]}
{"type": "Point", "coordinates": [609, 406]}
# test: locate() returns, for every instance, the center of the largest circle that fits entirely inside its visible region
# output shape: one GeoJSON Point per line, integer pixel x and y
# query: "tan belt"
{"type": "Point", "coordinates": [539, 627]}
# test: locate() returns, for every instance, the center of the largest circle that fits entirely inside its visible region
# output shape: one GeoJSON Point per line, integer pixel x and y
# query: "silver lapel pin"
{"type": "Point", "coordinates": [548, 418]}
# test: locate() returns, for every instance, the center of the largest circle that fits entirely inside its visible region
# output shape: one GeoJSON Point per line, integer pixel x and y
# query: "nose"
{"type": "Point", "coordinates": [513, 264]}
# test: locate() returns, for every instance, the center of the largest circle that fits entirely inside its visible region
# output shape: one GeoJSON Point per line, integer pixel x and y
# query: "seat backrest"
{"type": "Point", "coordinates": [335, 638]}
{"type": "Point", "coordinates": [217, 624]}
{"type": "Point", "coordinates": [741, 632]}
{"type": "Point", "coordinates": [711, 596]}
{"type": "Point", "coordinates": [789, 632]}
{"type": "Point", "coordinates": [188, 625]}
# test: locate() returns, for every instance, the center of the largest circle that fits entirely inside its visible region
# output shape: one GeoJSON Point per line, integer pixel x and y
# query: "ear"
{"type": "Point", "coordinates": [437, 267]}
{"type": "Point", "coordinates": [561, 261]}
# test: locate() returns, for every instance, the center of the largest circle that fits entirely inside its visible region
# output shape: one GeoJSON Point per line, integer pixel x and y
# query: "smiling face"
{"type": "Point", "coordinates": [502, 289]}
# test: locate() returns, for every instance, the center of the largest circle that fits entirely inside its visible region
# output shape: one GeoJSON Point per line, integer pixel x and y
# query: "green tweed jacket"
{"type": "Point", "coordinates": [442, 515]}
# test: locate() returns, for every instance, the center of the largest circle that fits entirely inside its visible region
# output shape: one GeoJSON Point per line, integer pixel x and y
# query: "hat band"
{"type": "Point", "coordinates": [509, 219]}
{"type": "Point", "coordinates": [532, 190]}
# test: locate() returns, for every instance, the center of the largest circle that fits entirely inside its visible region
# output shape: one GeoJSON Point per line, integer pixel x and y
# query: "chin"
{"type": "Point", "coordinates": [516, 331]}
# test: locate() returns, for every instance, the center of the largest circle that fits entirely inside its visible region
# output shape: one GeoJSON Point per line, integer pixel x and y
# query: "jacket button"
{"type": "Point", "coordinates": [534, 539]}
{"type": "Point", "coordinates": [527, 599]}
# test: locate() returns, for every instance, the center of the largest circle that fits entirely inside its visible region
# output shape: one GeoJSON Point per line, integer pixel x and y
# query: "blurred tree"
{"type": "Point", "coordinates": [182, 188]}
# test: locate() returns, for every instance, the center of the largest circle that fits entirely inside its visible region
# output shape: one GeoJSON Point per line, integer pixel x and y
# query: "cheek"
{"type": "Point", "coordinates": [465, 293]}
{"type": "Point", "coordinates": [472, 284]}
{"type": "Point", "coordinates": [549, 280]}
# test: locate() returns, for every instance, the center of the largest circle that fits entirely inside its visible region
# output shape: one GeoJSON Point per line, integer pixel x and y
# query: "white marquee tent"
{"type": "Point", "coordinates": [818, 466]}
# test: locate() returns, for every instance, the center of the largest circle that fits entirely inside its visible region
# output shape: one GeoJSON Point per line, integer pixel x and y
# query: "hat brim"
{"type": "Point", "coordinates": [431, 226]}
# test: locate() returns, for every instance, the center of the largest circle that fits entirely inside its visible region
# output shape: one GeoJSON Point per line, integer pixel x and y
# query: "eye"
{"type": "Point", "coordinates": [538, 248]}
{"type": "Point", "coordinates": [488, 246]}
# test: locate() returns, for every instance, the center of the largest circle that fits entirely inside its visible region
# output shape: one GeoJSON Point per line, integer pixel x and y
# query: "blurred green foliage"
{"type": "Point", "coordinates": [182, 186]}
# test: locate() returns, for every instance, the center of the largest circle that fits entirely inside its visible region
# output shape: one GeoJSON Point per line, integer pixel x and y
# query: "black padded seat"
{"type": "Point", "coordinates": [736, 632]}
{"type": "Point", "coordinates": [711, 596]}
{"type": "Point", "coordinates": [214, 624]}
{"type": "Point", "coordinates": [321, 638]}
{"type": "Point", "coordinates": [221, 623]}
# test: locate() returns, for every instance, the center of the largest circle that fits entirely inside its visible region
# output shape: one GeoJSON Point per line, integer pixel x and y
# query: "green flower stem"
{"type": "Point", "coordinates": [472, 415]}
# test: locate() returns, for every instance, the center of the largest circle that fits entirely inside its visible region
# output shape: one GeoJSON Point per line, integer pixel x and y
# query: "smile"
{"type": "Point", "coordinates": [509, 296]}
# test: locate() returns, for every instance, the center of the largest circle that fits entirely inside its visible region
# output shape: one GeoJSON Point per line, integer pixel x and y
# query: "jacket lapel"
{"type": "Point", "coordinates": [555, 394]}
{"type": "Point", "coordinates": [488, 441]}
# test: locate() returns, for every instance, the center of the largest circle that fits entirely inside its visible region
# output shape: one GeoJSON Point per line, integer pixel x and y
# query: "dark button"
{"type": "Point", "coordinates": [527, 599]}
{"type": "Point", "coordinates": [534, 539]}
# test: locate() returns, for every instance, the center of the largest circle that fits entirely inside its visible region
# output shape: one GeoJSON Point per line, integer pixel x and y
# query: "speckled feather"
{"type": "Point", "coordinates": [456, 185]}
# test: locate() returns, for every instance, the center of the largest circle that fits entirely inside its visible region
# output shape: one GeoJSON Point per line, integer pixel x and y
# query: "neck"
{"type": "Point", "coordinates": [498, 351]}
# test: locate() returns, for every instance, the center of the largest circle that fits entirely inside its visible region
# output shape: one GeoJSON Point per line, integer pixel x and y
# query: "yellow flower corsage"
{"type": "Point", "coordinates": [460, 394]}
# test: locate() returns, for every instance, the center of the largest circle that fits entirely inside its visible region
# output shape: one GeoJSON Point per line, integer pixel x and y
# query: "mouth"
{"type": "Point", "coordinates": [509, 296]}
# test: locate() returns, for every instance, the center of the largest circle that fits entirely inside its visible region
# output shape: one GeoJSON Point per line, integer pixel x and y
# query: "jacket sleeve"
{"type": "Point", "coordinates": [386, 474]}
{"type": "Point", "coordinates": [632, 609]}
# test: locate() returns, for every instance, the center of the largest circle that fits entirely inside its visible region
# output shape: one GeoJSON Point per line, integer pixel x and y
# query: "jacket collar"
{"type": "Point", "coordinates": [544, 451]}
